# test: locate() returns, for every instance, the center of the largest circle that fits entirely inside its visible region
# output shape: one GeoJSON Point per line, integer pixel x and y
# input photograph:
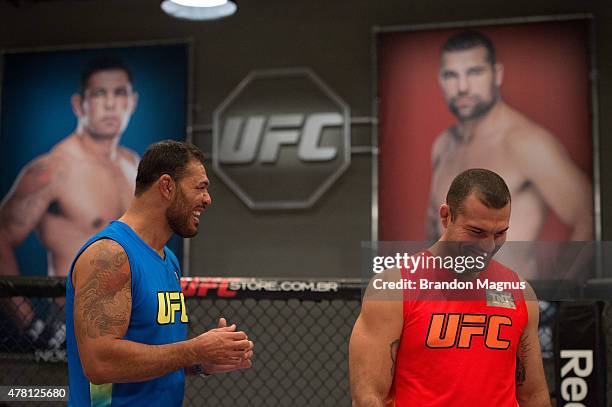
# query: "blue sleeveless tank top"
{"type": "Point", "coordinates": [158, 317]}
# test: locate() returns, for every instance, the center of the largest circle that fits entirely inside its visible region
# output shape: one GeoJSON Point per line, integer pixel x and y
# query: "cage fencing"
{"type": "Point", "coordinates": [300, 330]}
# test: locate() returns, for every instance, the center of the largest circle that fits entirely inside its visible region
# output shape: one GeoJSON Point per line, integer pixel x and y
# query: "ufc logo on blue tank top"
{"type": "Point", "coordinates": [169, 304]}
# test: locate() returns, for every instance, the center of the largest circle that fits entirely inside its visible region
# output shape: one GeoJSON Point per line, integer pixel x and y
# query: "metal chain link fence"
{"type": "Point", "coordinates": [300, 332]}
{"type": "Point", "coordinates": [301, 349]}
{"type": "Point", "coordinates": [301, 343]}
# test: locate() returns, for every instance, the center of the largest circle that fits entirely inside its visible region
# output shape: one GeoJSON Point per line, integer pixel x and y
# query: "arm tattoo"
{"type": "Point", "coordinates": [520, 372]}
{"type": "Point", "coordinates": [28, 197]}
{"type": "Point", "coordinates": [393, 351]}
{"type": "Point", "coordinates": [104, 301]}
{"type": "Point", "coordinates": [520, 361]}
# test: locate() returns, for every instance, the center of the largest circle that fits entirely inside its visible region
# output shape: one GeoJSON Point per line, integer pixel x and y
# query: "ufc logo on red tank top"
{"type": "Point", "coordinates": [457, 330]}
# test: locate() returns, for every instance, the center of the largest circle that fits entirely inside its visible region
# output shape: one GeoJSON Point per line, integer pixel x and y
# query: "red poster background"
{"type": "Point", "coordinates": [545, 76]}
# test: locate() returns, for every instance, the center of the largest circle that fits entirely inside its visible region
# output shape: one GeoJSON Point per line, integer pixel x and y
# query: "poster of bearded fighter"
{"type": "Point", "coordinates": [512, 98]}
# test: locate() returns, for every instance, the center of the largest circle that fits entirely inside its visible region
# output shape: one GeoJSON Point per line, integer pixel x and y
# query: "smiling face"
{"type": "Point", "coordinates": [190, 200]}
{"type": "Point", "coordinates": [470, 82]}
{"type": "Point", "coordinates": [476, 230]}
{"type": "Point", "coordinates": [107, 104]}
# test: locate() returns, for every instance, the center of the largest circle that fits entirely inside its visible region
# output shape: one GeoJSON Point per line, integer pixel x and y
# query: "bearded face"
{"type": "Point", "coordinates": [469, 82]}
{"type": "Point", "coordinates": [189, 202]}
{"type": "Point", "coordinates": [469, 107]}
{"type": "Point", "coordinates": [180, 216]}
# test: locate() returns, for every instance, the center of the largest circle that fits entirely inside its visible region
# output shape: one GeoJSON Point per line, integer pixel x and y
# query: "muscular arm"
{"type": "Point", "coordinates": [20, 211]}
{"type": "Point", "coordinates": [25, 204]}
{"type": "Point", "coordinates": [373, 350]}
{"type": "Point", "coordinates": [564, 187]}
{"type": "Point", "coordinates": [531, 387]}
{"type": "Point", "coordinates": [102, 310]}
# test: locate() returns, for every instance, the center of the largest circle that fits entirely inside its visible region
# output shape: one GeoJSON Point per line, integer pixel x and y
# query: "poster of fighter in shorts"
{"type": "Point", "coordinates": [510, 96]}
{"type": "Point", "coordinates": [74, 123]}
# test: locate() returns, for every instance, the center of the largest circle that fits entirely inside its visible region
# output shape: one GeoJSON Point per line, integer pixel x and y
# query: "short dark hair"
{"type": "Point", "coordinates": [490, 188]}
{"type": "Point", "coordinates": [103, 63]}
{"type": "Point", "coordinates": [165, 157]}
{"type": "Point", "coordinates": [469, 39]}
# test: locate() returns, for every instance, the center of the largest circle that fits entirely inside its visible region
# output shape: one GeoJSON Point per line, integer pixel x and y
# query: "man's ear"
{"type": "Point", "coordinates": [167, 186]}
{"type": "Point", "coordinates": [445, 215]}
{"type": "Point", "coordinates": [77, 105]}
{"type": "Point", "coordinates": [499, 74]}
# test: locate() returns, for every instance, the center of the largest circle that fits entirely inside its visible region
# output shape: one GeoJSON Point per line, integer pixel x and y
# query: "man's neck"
{"type": "Point", "coordinates": [472, 130]}
{"type": "Point", "coordinates": [439, 249]}
{"type": "Point", "coordinates": [98, 147]}
{"type": "Point", "coordinates": [149, 224]}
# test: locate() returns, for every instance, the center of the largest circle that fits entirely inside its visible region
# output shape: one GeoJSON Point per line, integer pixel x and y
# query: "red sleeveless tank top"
{"type": "Point", "coordinates": [458, 347]}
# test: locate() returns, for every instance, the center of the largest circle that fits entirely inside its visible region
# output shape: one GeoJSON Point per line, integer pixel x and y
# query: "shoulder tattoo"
{"type": "Point", "coordinates": [104, 301]}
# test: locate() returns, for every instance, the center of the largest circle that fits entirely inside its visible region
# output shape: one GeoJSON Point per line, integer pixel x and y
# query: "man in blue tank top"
{"type": "Point", "coordinates": [126, 316]}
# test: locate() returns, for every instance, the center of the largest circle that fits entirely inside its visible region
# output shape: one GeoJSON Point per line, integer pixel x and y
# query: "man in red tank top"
{"type": "Point", "coordinates": [471, 344]}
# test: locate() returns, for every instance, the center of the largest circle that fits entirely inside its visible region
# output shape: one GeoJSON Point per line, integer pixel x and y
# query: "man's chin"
{"type": "Point", "coordinates": [467, 116]}
{"type": "Point", "coordinates": [190, 233]}
{"type": "Point", "coordinates": [105, 135]}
